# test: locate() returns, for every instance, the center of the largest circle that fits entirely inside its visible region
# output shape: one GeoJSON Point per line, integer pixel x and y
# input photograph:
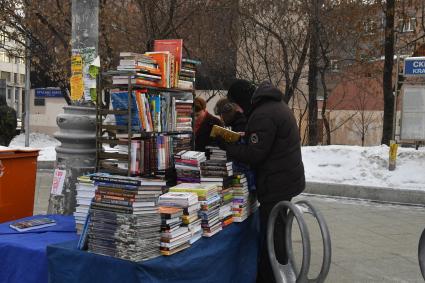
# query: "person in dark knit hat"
{"type": "Point", "coordinates": [204, 122]}
{"type": "Point", "coordinates": [231, 114]}
{"type": "Point", "coordinates": [273, 151]}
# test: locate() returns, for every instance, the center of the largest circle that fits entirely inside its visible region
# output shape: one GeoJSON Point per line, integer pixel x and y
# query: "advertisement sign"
{"type": "Point", "coordinates": [414, 66]}
{"type": "Point", "coordinates": [48, 92]}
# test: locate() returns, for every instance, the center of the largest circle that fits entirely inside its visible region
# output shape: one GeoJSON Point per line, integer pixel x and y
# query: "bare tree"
{"type": "Point", "coordinates": [274, 42]}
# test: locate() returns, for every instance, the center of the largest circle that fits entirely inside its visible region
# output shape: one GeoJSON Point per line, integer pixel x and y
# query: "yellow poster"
{"type": "Point", "coordinates": [77, 87]}
{"type": "Point", "coordinates": [76, 64]}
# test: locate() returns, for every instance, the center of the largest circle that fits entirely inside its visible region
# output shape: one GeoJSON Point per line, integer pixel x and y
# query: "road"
{"type": "Point", "coordinates": [371, 242]}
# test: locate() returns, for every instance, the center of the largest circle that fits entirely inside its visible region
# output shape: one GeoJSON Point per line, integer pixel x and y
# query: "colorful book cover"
{"type": "Point", "coordinates": [174, 46]}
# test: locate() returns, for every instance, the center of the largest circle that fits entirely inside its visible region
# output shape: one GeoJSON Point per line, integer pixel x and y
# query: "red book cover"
{"type": "Point", "coordinates": [174, 46]}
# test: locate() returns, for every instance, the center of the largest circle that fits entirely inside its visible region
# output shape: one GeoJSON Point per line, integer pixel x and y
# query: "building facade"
{"type": "Point", "coordinates": [12, 73]}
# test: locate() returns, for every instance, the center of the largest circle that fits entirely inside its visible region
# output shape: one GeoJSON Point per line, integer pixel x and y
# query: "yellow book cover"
{"type": "Point", "coordinates": [226, 134]}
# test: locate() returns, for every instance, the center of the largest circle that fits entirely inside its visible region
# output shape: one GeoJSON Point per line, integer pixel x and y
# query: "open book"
{"type": "Point", "coordinates": [226, 134]}
{"type": "Point", "coordinates": [27, 225]}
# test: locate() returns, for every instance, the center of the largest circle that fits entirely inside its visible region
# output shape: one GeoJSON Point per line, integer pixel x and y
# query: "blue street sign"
{"type": "Point", "coordinates": [48, 92]}
{"type": "Point", "coordinates": [414, 66]}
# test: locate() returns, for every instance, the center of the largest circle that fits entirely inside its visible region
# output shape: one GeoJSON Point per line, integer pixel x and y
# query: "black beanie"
{"type": "Point", "coordinates": [240, 92]}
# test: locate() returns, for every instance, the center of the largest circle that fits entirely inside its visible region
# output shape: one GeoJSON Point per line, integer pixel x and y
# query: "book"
{"type": "Point", "coordinates": [33, 224]}
{"type": "Point", "coordinates": [226, 134]}
{"type": "Point", "coordinates": [82, 242]}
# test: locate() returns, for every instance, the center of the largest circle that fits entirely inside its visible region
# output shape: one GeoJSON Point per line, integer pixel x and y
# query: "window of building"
{"type": "Point", "coordinates": [370, 26]}
{"type": "Point", "coordinates": [2, 54]}
{"type": "Point", "coordinates": [6, 58]}
{"type": "Point", "coordinates": [334, 65]}
{"type": "Point", "coordinates": [5, 76]}
{"type": "Point", "coordinates": [22, 78]}
{"type": "Point", "coordinates": [3, 37]}
{"type": "Point", "coordinates": [407, 25]}
{"type": "Point", "coordinates": [9, 93]}
{"type": "Point", "coordinates": [39, 102]}
{"type": "Point", "coordinates": [15, 78]}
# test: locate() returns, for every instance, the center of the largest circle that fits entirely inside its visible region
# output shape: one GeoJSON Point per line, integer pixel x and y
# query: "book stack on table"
{"type": "Point", "coordinates": [124, 217]}
{"type": "Point", "coordinates": [244, 203]}
{"type": "Point", "coordinates": [215, 153]}
{"type": "Point", "coordinates": [175, 236]}
{"type": "Point", "coordinates": [85, 188]}
{"type": "Point", "coordinates": [220, 172]}
{"type": "Point", "coordinates": [209, 198]}
{"type": "Point", "coordinates": [187, 166]}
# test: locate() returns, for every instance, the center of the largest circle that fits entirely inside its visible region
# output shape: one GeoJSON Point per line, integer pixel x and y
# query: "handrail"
{"type": "Point", "coordinates": [289, 272]}
{"type": "Point", "coordinates": [421, 253]}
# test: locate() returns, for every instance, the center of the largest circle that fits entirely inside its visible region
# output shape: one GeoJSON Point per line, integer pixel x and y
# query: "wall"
{"type": "Point", "coordinates": [43, 118]}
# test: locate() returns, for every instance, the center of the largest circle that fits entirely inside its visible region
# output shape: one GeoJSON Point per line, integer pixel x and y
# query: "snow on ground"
{"type": "Point", "coordinates": [367, 166]}
{"type": "Point", "coordinates": [44, 142]}
{"type": "Point", "coordinates": [340, 164]}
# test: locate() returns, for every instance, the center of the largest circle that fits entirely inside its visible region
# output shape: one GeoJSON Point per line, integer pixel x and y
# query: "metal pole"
{"type": "Point", "coordinates": [395, 93]}
{"type": "Point", "coordinates": [27, 91]}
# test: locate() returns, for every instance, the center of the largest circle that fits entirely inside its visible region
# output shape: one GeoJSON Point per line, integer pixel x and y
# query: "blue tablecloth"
{"type": "Point", "coordinates": [229, 256]}
{"type": "Point", "coordinates": [23, 254]}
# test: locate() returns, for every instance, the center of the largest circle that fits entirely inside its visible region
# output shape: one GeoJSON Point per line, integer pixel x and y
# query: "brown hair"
{"type": "Point", "coordinates": [199, 104]}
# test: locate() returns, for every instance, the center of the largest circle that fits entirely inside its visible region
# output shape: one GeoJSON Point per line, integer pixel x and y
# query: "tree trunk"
{"type": "Point", "coordinates": [388, 71]}
{"type": "Point", "coordinates": [312, 74]}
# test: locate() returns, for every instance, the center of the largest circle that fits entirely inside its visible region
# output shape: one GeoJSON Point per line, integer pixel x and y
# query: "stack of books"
{"type": "Point", "coordinates": [210, 215]}
{"type": "Point", "coordinates": [216, 169]}
{"type": "Point", "coordinates": [187, 74]}
{"type": "Point", "coordinates": [184, 110]}
{"type": "Point", "coordinates": [85, 188]}
{"type": "Point", "coordinates": [220, 172]}
{"type": "Point", "coordinates": [208, 197]}
{"type": "Point", "coordinates": [244, 203]}
{"type": "Point", "coordinates": [182, 142]}
{"type": "Point", "coordinates": [215, 153]}
{"type": "Point", "coordinates": [209, 200]}
{"type": "Point", "coordinates": [174, 236]}
{"type": "Point", "coordinates": [125, 221]}
{"type": "Point", "coordinates": [187, 164]}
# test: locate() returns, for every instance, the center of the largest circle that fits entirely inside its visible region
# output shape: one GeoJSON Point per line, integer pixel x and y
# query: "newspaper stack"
{"type": "Point", "coordinates": [85, 192]}
{"type": "Point", "coordinates": [125, 221]}
{"type": "Point", "coordinates": [176, 237]}
{"type": "Point", "coordinates": [244, 203]}
{"type": "Point", "coordinates": [187, 166]}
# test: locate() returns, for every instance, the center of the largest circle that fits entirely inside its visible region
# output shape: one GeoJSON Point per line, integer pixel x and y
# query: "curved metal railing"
{"type": "Point", "coordinates": [289, 272]}
{"type": "Point", "coordinates": [421, 253]}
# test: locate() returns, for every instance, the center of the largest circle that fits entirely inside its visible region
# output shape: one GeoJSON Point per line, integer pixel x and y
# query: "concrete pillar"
{"type": "Point", "coordinates": [76, 154]}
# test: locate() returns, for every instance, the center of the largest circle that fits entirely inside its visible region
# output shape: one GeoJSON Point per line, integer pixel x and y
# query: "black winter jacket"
{"type": "Point", "coordinates": [273, 148]}
{"type": "Point", "coordinates": [202, 137]}
{"type": "Point", "coordinates": [239, 122]}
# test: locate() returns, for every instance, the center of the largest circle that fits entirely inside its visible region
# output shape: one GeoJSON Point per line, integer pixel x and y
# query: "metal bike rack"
{"type": "Point", "coordinates": [289, 273]}
{"type": "Point", "coordinates": [421, 253]}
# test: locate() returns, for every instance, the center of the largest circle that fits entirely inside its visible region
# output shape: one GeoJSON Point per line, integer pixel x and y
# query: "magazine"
{"type": "Point", "coordinates": [32, 224]}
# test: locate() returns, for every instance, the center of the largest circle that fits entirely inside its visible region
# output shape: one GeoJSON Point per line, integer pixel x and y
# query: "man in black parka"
{"type": "Point", "coordinates": [274, 152]}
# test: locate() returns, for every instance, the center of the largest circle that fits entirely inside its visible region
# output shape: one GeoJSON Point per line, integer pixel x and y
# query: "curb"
{"type": "Point", "coordinates": [368, 193]}
{"type": "Point", "coordinates": [45, 164]}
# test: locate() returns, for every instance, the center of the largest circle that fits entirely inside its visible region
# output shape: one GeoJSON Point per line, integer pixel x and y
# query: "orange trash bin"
{"type": "Point", "coordinates": [18, 170]}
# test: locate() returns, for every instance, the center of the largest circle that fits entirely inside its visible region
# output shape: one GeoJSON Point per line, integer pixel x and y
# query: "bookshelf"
{"type": "Point", "coordinates": [126, 135]}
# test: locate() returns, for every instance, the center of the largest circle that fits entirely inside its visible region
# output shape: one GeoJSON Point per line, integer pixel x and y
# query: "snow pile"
{"type": "Point", "coordinates": [339, 164]}
{"type": "Point", "coordinates": [367, 166]}
{"type": "Point", "coordinates": [44, 142]}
